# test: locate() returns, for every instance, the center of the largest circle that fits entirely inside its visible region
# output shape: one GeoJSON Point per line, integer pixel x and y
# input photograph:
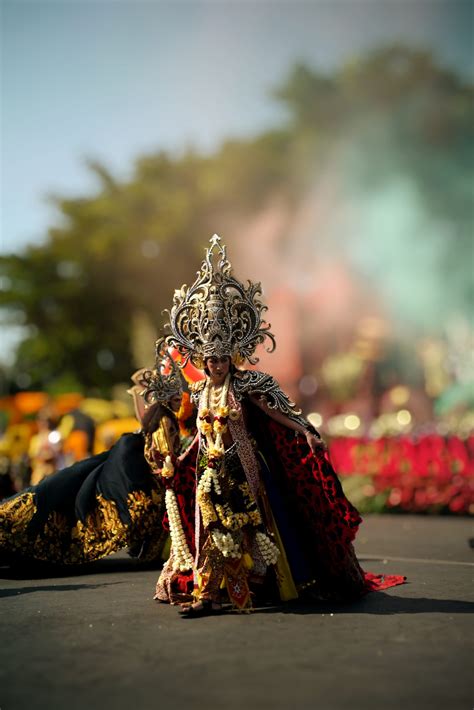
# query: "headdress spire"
{"type": "Point", "coordinates": [217, 314]}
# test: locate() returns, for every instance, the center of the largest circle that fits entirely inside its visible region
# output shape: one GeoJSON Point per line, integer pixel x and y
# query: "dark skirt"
{"type": "Point", "coordinates": [88, 510]}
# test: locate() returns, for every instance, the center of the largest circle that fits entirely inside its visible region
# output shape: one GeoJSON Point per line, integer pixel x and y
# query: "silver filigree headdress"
{"type": "Point", "coordinates": [163, 382]}
{"type": "Point", "coordinates": [217, 315]}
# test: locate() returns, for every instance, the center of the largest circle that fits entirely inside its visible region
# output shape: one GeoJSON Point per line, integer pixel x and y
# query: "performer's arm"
{"type": "Point", "coordinates": [159, 449]}
{"type": "Point", "coordinates": [315, 443]}
{"type": "Point", "coordinates": [182, 456]}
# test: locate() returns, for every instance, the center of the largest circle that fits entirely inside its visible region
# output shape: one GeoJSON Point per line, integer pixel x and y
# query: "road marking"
{"type": "Point", "coordinates": [414, 559]}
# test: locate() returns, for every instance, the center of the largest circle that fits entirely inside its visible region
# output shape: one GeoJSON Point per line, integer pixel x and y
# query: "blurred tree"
{"type": "Point", "coordinates": [123, 250]}
{"type": "Point", "coordinates": [396, 120]}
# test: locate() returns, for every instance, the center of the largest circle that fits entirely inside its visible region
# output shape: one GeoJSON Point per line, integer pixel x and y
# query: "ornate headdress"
{"type": "Point", "coordinates": [217, 315]}
{"type": "Point", "coordinates": [160, 384]}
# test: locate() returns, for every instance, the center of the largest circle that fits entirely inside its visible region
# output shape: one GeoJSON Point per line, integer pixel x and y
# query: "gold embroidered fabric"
{"type": "Point", "coordinates": [102, 533]}
{"type": "Point", "coordinates": [164, 440]}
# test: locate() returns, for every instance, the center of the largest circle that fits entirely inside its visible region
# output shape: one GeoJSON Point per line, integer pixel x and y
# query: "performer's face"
{"type": "Point", "coordinates": [175, 402]}
{"type": "Point", "coordinates": [218, 368]}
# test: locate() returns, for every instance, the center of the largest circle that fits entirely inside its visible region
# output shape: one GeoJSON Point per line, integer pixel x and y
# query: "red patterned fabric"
{"type": "Point", "coordinates": [327, 521]}
{"type": "Point", "coordinates": [377, 582]}
{"type": "Point", "coordinates": [236, 584]}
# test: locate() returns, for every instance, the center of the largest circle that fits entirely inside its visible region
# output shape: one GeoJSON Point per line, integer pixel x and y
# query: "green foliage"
{"type": "Point", "coordinates": [366, 501]}
{"type": "Point", "coordinates": [124, 249]}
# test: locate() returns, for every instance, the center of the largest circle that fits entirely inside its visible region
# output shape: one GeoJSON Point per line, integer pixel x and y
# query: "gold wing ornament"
{"type": "Point", "coordinates": [159, 384]}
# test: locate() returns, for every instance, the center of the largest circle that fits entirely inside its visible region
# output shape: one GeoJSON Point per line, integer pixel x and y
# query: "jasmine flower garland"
{"type": "Point", "coordinates": [268, 549]}
{"type": "Point", "coordinates": [226, 544]}
{"type": "Point", "coordinates": [208, 479]}
{"type": "Point", "coordinates": [182, 557]}
{"type": "Point", "coordinates": [213, 431]}
{"type": "Point", "coordinates": [219, 426]}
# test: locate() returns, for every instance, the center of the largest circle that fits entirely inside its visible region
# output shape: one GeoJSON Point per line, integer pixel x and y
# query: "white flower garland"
{"type": "Point", "coordinates": [268, 549]}
{"type": "Point", "coordinates": [182, 557]}
{"type": "Point", "coordinates": [219, 426]}
{"type": "Point", "coordinates": [226, 544]}
{"type": "Point", "coordinates": [215, 446]}
{"type": "Point", "coordinates": [208, 479]}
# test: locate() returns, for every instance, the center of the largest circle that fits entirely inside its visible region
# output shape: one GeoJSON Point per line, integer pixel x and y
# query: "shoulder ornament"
{"type": "Point", "coordinates": [264, 385]}
{"type": "Point", "coordinates": [261, 384]}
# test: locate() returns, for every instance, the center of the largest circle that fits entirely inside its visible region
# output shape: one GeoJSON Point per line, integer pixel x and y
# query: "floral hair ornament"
{"type": "Point", "coordinates": [217, 315]}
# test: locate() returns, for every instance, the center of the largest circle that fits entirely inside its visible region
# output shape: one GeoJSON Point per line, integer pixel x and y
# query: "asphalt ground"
{"type": "Point", "coordinates": [98, 640]}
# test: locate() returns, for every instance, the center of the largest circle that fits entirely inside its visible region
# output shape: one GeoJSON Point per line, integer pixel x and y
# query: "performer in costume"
{"type": "Point", "coordinates": [110, 501]}
{"type": "Point", "coordinates": [268, 506]}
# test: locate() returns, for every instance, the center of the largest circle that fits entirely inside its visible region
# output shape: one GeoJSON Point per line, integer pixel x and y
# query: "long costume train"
{"type": "Point", "coordinates": [87, 511]}
{"type": "Point", "coordinates": [110, 501]}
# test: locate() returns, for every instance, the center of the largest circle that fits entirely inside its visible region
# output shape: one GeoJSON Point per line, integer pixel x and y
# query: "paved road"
{"type": "Point", "coordinates": [97, 640]}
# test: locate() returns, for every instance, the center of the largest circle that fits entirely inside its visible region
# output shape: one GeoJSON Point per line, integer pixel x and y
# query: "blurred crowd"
{"type": "Point", "coordinates": [392, 463]}
{"type": "Point", "coordinates": [42, 434]}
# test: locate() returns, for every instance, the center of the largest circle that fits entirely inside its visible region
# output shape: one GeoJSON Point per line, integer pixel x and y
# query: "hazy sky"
{"type": "Point", "coordinates": [111, 79]}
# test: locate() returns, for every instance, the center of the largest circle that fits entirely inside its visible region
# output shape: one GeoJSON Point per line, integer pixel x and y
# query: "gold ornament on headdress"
{"type": "Point", "coordinates": [218, 315]}
{"type": "Point", "coordinates": [163, 382]}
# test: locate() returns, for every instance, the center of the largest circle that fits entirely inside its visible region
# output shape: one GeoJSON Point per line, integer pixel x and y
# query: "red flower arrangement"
{"type": "Point", "coordinates": [429, 474]}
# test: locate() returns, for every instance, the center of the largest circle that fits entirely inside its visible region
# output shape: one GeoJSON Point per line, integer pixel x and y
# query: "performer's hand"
{"type": "Point", "coordinates": [316, 445]}
{"type": "Point", "coordinates": [157, 457]}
